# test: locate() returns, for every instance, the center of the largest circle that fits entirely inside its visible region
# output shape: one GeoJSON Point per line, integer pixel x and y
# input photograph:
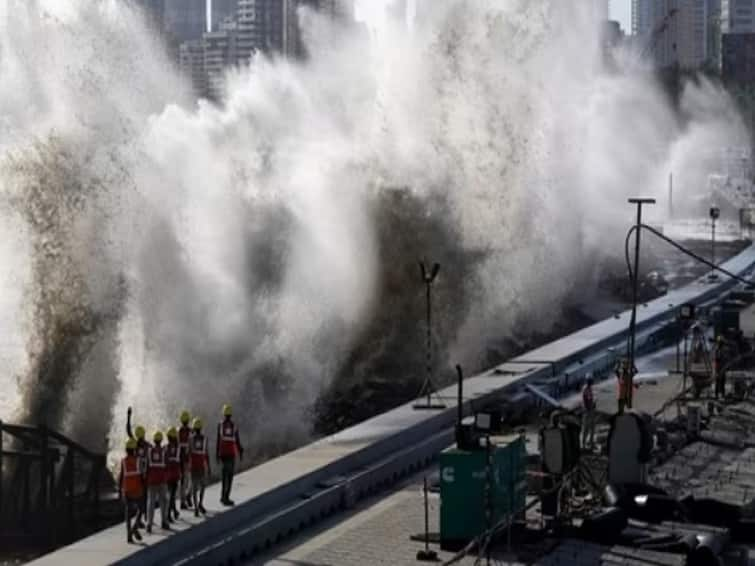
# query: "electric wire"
{"type": "Point", "coordinates": [681, 248]}
{"type": "Point", "coordinates": [482, 542]}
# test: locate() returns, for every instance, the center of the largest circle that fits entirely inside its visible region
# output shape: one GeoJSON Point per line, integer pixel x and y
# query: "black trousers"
{"type": "Point", "coordinates": [131, 508]}
{"type": "Point", "coordinates": [228, 465]}
{"type": "Point", "coordinates": [622, 405]}
{"type": "Point", "coordinates": [172, 490]}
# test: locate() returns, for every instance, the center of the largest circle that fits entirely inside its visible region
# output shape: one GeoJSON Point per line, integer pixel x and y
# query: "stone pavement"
{"type": "Point", "coordinates": [378, 533]}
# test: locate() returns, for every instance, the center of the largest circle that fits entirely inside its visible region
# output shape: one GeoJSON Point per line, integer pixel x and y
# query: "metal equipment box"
{"type": "Point", "coordinates": [464, 499]}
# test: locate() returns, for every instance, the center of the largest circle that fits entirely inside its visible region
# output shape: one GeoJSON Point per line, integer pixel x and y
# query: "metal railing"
{"type": "Point", "coordinates": [50, 487]}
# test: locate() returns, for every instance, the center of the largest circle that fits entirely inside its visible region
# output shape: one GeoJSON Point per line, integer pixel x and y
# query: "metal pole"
{"type": "Point", "coordinates": [684, 377]}
{"type": "Point", "coordinates": [44, 464]}
{"type": "Point", "coordinates": [635, 283]}
{"type": "Point", "coordinates": [428, 354]}
{"type": "Point", "coordinates": [678, 339]}
{"type": "Point", "coordinates": [427, 519]}
{"type": "Point", "coordinates": [71, 493]}
{"type": "Point", "coordinates": [670, 195]}
{"type": "Point", "coordinates": [1, 471]}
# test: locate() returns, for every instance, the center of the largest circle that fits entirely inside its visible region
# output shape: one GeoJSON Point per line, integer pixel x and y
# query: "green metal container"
{"type": "Point", "coordinates": [463, 479]}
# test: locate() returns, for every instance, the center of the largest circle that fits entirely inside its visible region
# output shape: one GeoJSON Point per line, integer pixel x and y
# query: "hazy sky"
{"type": "Point", "coordinates": [621, 10]}
{"type": "Point", "coordinates": [373, 10]}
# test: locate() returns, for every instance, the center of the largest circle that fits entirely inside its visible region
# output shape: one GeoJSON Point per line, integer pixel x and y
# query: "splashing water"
{"type": "Point", "coordinates": [168, 254]}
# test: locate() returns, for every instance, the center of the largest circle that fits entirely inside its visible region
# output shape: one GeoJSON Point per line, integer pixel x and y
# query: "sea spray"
{"type": "Point", "coordinates": [263, 251]}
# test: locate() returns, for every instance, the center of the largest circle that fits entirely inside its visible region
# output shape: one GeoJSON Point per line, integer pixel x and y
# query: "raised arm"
{"type": "Point", "coordinates": [128, 423]}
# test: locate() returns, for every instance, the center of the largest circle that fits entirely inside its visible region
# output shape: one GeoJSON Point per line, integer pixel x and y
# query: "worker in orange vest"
{"type": "Point", "coordinates": [200, 466]}
{"type": "Point", "coordinates": [142, 447]}
{"type": "Point", "coordinates": [228, 447]}
{"type": "Point", "coordinates": [172, 471]}
{"type": "Point", "coordinates": [132, 488]}
{"type": "Point", "coordinates": [184, 438]}
{"type": "Point", "coordinates": [624, 384]}
{"type": "Point", "coordinates": [157, 493]}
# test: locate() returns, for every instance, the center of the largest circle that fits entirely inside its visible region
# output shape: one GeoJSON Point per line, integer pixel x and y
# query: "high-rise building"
{"type": "Point", "coordinates": [272, 26]}
{"type": "Point", "coordinates": [642, 17]}
{"type": "Point", "coordinates": [738, 58]}
{"type": "Point", "coordinates": [219, 53]}
{"type": "Point", "coordinates": [737, 16]}
{"type": "Point", "coordinates": [249, 33]}
{"type": "Point", "coordinates": [677, 32]}
{"type": "Point", "coordinates": [220, 10]}
{"type": "Point", "coordinates": [185, 19]}
{"type": "Point", "coordinates": [191, 63]}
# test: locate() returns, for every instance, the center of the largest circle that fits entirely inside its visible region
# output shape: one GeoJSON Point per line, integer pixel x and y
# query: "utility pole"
{"type": "Point", "coordinates": [635, 282]}
{"type": "Point", "coordinates": [428, 388]}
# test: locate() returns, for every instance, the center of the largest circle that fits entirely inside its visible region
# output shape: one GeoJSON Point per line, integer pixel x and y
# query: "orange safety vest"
{"type": "Point", "coordinates": [623, 385]}
{"type": "Point", "coordinates": [173, 456]}
{"type": "Point", "coordinates": [132, 478]}
{"type": "Point", "coordinates": [227, 448]}
{"type": "Point", "coordinates": [184, 437]}
{"type": "Point", "coordinates": [156, 470]}
{"type": "Point", "coordinates": [198, 453]}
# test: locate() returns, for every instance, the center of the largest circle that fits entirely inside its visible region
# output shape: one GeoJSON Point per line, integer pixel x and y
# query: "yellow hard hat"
{"type": "Point", "coordinates": [227, 412]}
{"type": "Point", "coordinates": [172, 432]}
{"type": "Point", "coordinates": [158, 436]}
{"type": "Point", "coordinates": [185, 417]}
{"type": "Point", "coordinates": [197, 424]}
{"type": "Point", "coordinates": [139, 432]}
{"type": "Point", "coordinates": [131, 444]}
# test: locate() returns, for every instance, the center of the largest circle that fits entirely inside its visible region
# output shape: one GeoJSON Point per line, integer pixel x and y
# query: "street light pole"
{"type": "Point", "coordinates": [635, 282]}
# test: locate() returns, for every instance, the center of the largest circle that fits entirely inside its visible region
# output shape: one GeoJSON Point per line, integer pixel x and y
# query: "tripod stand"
{"type": "Point", "coordinates": [428, 387]}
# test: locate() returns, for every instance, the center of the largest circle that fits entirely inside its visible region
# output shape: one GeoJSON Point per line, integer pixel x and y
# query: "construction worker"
{"type": "Point", "coordinates": [200, 466]}
{"type": "Point", "coordinates": [131, 485]}
{"type": "Point", "coordinates": [588, 414]}
{"type": "Point", "coordinates": [184, 437]}
{"type": "Point", "coordinates": [156, 490]}
{"type": "Point", "coordinates": [719, 361]}
{"type": "Point", "coordinates": [172, 471]}
{"type": "Point", "coordinates": [228, 447]}
{"type": "Point", "coordinates": [142, 447]}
